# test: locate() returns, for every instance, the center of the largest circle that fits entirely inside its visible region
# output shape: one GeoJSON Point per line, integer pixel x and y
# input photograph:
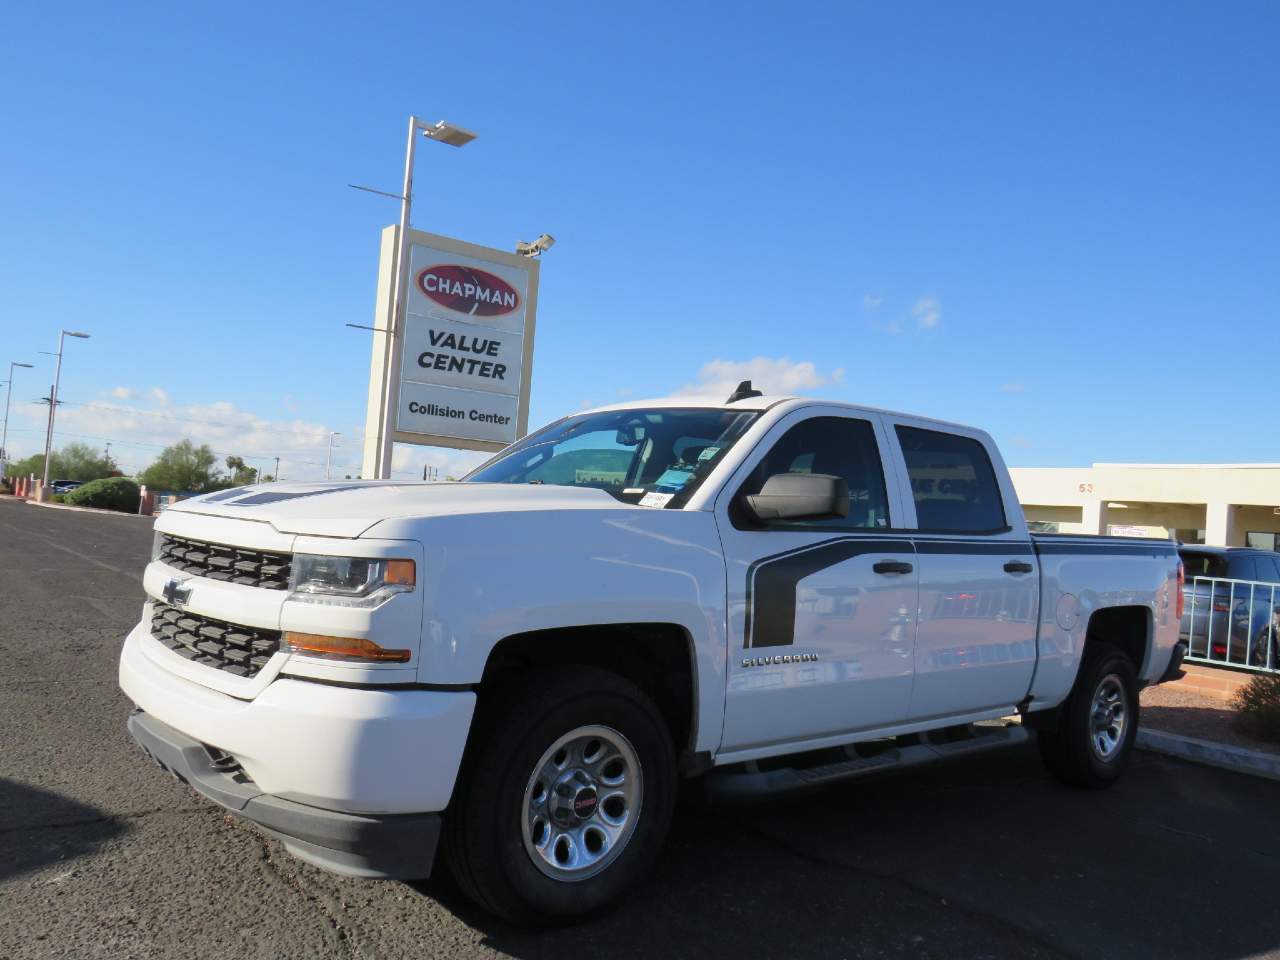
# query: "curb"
{"type": "Point", "coordinates": [1238, 759]}
{"type": "Point", "coordinates": [67, 506]}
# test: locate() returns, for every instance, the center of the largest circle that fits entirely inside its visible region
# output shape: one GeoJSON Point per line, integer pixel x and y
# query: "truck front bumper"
{"type": "Point", "coordinates": [400, 846]}
{"type": "Point", "coordinates": [327, 767]}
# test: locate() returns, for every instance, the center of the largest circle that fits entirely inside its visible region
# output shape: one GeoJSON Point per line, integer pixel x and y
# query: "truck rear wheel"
{"type": "Point", "coordinates": [1099, 721]}
{"type": "Point", "coordinates": [564, 798]}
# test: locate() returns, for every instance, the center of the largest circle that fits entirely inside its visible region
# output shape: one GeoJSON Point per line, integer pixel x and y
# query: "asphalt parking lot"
{"type": "Point", "coordinates": [103, 855]}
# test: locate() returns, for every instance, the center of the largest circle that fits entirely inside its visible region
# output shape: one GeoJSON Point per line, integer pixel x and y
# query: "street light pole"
{"type": "Point", "coordinates": [328, 461]}
{"type": "Point", "coordinates": [454, 136]}
{"type": "Point", "coordinates": [53, 400]}
{"type": "Point", "coordinates": [4, 439]}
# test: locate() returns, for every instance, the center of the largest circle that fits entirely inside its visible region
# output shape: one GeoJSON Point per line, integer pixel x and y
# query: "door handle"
{"type": "Point", "coordinates": [892, 566]}
{"type": "Point", "coordinates": [1018, 566]}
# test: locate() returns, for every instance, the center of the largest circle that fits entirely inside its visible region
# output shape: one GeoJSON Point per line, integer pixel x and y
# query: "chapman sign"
{"type": "Point", "coordinates": [466, 349]}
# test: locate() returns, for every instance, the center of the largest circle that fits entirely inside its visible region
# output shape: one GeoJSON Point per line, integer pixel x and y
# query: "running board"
{"type": "Point", "coordinates": [752, 783]}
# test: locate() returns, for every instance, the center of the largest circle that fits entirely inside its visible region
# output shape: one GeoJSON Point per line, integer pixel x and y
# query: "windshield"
{"type": "Point", "coordinates": [656, 458]}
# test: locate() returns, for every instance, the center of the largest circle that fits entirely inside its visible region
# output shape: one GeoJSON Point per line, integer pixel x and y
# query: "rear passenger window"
{"type": "Point", "coordinates": [840, 447]}
{"type": "Point", "coordinates": [1203, 564]}
{"type": "Point", "coordinates": [1268, 569]}
{"type": "Point", "coordinates": [952, 482]}
{"type": "Point", "coordinates": [1242, 569]}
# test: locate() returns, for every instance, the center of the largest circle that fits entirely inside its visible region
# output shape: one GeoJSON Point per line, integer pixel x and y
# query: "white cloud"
{"type": "Point", "coordinates": [928, 312]}
{"type": "Point", "coordinates": [138, 431]}
{"type": "Point", "coordinates": [1014, 387]}
{"type": "Point", "coordinates": [772, 375]}
{"type": "Point", "coordinates": [870, 301]}
{"type": "Point", "coordinates": [152, 420]}
{"type": "Point", "coordinates": [122, 393]}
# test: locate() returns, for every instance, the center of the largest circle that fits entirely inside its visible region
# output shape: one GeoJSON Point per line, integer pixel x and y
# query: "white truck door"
{"type": "Point", "coordinates": [820, 611]}
{"type": "Point", "coordinates": [979, 580]}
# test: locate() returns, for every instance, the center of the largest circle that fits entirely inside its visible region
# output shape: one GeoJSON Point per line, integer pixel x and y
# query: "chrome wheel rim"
{"type": "Point", "coordinates": [582, 803]}
{"type": "Point", "coordinates": [1108, 717]}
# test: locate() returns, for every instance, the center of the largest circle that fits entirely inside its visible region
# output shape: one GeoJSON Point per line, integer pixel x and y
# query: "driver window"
{"type": "Point", "coordinates": [838, 446]}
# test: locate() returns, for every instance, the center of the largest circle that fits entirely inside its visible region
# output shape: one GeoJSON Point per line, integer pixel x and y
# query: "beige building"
{"type": "Point", "coordinates": [1223, 504]}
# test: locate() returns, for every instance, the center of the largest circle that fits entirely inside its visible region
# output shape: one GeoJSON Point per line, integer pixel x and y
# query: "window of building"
{"type": "Point", "coordinates": [952, 482]}
{"type": "Point", "coordinates": [1262, 540]}
{"type": "Point", "coordinates": [839, 447]}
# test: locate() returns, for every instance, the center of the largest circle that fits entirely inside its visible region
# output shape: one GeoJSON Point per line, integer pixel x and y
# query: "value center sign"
{"type": "Point", "coordinates": [463, 356]}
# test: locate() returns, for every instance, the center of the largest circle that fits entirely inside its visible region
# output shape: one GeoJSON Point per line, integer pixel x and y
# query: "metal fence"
{"type": "Point", "coordinates": [1232, 623]}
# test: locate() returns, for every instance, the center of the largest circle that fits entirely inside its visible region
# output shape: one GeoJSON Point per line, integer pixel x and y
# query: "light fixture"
{"type": "Point", "coordinates": [445, 132]}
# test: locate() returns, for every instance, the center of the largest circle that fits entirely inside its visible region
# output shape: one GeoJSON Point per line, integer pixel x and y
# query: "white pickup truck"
{"type": "Point", "coordinates": [765, 593]}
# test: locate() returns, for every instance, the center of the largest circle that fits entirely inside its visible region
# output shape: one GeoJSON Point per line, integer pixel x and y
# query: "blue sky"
{"type": "Point", "coordinates": [1059, 224]}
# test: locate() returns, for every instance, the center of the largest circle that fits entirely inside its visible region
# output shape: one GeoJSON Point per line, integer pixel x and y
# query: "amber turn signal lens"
{"type": "Point", "coordinates": [400, 572]}
{"type": "Point", "coordinates": [345, 648]}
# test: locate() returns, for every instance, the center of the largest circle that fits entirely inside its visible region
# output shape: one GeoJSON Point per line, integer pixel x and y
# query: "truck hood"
{"type": "Point", "coordinates": [349, 508]}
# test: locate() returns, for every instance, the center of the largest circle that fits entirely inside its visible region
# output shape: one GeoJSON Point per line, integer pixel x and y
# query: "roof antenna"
{"type": "Point", "coordinates": [743, 392]}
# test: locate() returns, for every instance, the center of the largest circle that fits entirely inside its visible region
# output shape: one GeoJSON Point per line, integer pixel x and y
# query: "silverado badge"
{"type": "Point", "coordinates": [176, 592]}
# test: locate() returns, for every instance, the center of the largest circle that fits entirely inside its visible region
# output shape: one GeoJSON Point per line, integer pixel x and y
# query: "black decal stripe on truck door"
{"type": "Point", "coordinates": [1004, 548]}
{"type": "Point", "coordinates": [772, 582]}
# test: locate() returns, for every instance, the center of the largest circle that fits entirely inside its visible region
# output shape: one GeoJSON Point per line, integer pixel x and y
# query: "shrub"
{"type": "Point", "coordinates": [57, 498]}
{"type": "Point", "coordinates": [6, 490]}
{"type": "Point", "coordinates": [1257, 706]}
{"type": "Point", "coordinates": [109, 493]}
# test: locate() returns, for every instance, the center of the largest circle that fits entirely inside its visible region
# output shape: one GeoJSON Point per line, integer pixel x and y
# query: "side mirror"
{"type": "Point", "coordinates": [799, 496]}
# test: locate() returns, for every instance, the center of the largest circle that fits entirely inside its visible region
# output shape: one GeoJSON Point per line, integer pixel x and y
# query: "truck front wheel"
{"type": "Point", "coordinates": [564, 797]}
{"type": "Point", "coordinates": [1091, 746]}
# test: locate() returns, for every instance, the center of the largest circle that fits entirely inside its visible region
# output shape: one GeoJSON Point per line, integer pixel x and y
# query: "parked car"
{"type": "Point", "coordinates": [768, 593]}
{"type": "Point", "coordinates": [65, 486]}
{"type": "Point", "coordinates": [1229, 609]}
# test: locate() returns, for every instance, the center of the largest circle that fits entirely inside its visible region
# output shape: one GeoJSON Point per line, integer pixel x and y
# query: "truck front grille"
{"type": "Point", "coordinates": [242, 651]}
{"type": "Point", "coordinates": [252, 568]}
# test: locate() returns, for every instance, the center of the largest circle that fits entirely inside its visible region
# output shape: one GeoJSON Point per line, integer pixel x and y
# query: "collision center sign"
{"type": "Point", "coordinates": [467, 348]}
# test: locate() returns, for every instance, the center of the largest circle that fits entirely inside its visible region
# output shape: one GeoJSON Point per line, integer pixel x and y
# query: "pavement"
{"type": "Point", "coordinates": [103, 855]}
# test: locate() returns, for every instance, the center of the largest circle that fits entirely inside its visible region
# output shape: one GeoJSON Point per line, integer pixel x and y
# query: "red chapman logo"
{"type": "Point", "coordinates": [468, 290]}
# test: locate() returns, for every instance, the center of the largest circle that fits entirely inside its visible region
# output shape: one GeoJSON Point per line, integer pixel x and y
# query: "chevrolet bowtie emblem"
{"type": "Point", "coordinates": [176, 592]}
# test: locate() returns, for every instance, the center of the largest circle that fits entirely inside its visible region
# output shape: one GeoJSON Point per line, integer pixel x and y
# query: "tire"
{"type": "Point", "coordinates": [604, 825]}
{"type": "Point", "coordinates": [1078, 752]}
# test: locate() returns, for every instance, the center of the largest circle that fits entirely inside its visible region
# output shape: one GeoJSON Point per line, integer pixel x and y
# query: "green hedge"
{"type": "Point", "coordinates": [109, 493]}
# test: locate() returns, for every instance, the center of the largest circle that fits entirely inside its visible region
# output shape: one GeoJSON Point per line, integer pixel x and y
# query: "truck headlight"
{"type": "Point", "coordinates": [349, 581]}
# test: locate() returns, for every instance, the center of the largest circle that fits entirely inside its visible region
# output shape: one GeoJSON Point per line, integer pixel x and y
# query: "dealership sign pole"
{"type": "Point", "coordinates": [456, 371]}
{"type": "Point", "coordinates": [396, 326]}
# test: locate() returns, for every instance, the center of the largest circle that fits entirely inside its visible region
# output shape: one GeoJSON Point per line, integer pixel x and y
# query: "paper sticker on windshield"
{"type": "Point", "coordinates": [708, 453]}
{"type": "Point", "coordinates": [655, 499]}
